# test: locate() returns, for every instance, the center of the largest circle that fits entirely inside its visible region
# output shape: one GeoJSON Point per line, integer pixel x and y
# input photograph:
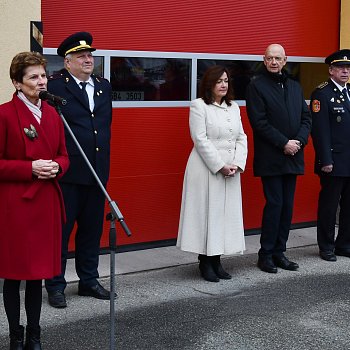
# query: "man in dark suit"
{"type": "Point", "coordinates": [330, 108]}
{"type": "Point", "coordinates": [89, 114]}
{"type": "Point", "coordinates": [281, 124]}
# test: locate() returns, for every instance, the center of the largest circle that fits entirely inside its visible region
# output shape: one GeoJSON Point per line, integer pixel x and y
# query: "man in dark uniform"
{"type": "Point", "coordinates": [89, 114]}
{"type": "Point", "coordinates": [281, 124]}
{"type": "Point", "coordinates": [330, 108]}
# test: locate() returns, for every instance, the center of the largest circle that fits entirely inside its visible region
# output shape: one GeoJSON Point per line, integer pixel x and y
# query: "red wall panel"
{"type": "Point", "coordinates": [305, 28]}
{"type": "Point", "coordinates": [149, 151]}
{"type": "Point", "coordinates": [150, 147]}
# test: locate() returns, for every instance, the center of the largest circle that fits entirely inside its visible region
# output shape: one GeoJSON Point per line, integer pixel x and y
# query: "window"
{"type": "Point", "coordinates": [309, 74]}
{"type": "Point", "coordinates": [158, 79]}
{"type": "Point", "coordinates": [150, 79]}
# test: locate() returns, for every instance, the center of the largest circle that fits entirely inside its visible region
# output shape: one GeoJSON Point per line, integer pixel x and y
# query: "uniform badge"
{"type": "Point", "coordinates": [332, 99]}
{"type": "Point", "coordinates": [338, 101]}
{"type": "Point", "coordinates": [31, 132]}
{"type": "Point", "coordinates": [316, 106]}
{"type": "Point", "coordinates": [338, 118]}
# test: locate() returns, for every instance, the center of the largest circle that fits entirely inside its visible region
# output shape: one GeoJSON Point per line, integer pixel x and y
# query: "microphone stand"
{"type": "Point", "coordinates": [115, 214]}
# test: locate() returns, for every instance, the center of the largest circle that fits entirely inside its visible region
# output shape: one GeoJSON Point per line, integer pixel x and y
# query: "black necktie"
{"type": "Point", "coordinates": [83, 90]}
{"type": "Point", "coordinates": [346, 97]}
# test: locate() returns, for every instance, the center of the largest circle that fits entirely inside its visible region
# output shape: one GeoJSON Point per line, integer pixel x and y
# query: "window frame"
{"type": "Point", "coordinates": [108, 54]}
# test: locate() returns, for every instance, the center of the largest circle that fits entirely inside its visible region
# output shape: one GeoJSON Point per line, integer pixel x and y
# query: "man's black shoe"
{"type": "Point", "coordinates": [267, 265]}
{"type": "Point", "coordinates": [342, 252]}
{"type": "Point", "coordinates": [284, 263]}
{"type": "Point", "coordinates": [328, 256]}
{"type": "Point", "coordinates": [96, 291]}
{"type": "Point", "coordinates": [57, 299]}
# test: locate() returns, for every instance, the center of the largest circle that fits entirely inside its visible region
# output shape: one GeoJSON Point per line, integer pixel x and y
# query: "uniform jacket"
{"type": "Point", "coordinates": [277, 114]}
{"type": "Point", "coordinates": [331, 129]}
{"type": "Point", "coordinates": [211, 220]}
{"type": "Point", "coordinates": [31, 210]}
{"type": "Point", "coordinates": [92, 129]}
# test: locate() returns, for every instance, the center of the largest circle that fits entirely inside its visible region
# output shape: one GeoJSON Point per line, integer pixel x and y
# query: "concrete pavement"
{"type": "Point", "coordinates": [163, 304]}
{"type": "Point", "coordinates": [150, 259]}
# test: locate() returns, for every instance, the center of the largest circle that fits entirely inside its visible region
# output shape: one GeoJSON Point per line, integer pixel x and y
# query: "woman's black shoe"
{"type": "Point", "coordinates": [206, 268]}
{"type": "Point", "coordinates": [218, 269]}
{"type": "Point", "coordinates": [16, 338]}
{"type": "Point", "coordinates": [32, 338]}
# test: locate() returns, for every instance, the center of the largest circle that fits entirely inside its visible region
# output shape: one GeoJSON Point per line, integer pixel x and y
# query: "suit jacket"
{"type": "Point", "coordinates": [92, 129]}
{"type": "Point", "coordinates": [277, 114]}
{"type": "Point", "coordinates": [31, 210]}
{"type": "Point", "coordinates": [331, 129]}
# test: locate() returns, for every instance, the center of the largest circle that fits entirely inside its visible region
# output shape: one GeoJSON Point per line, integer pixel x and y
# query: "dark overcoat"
{"type": "Point", "coordinates": [277, 113]}
{"type": "Point", "coordinates": [331, 129]}
{"type": "Point", "coordinates": [92, 129]}
{"type": "Point", "coordinates": [31, 210]}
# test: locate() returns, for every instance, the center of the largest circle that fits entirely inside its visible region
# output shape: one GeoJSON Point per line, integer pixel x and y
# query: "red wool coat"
{"type": "Point", "coordinates": [31, 210]}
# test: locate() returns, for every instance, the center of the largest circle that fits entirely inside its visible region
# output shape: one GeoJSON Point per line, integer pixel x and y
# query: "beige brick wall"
{"type": "Point", "coordinates": [14, 36]}
{"type": "Point", "coordinates": [345, 24]}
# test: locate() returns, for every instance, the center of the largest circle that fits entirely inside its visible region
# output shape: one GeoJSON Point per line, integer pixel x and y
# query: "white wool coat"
{"type": "Point", "coordinates": [211, 220]}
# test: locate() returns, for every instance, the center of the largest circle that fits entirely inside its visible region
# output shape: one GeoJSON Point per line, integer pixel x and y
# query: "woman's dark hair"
{"type": "Point", "coordinates": [208, 82]}
{"type": "Point", "coordinates": [23, 60]}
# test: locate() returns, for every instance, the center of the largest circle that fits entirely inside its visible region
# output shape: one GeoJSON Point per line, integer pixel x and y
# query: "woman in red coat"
{"type": "Point", "coordinates": [33, 157]}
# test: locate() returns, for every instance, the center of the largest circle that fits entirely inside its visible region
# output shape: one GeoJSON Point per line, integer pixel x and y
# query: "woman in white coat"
{"type": "Point", "coordinates": [211, 221]}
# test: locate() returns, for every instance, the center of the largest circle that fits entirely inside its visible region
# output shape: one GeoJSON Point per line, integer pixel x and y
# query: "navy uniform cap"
{"type": "Point", "coordinates": [339, 58]}
{"type": "Point", "coordinates": [76, 42]}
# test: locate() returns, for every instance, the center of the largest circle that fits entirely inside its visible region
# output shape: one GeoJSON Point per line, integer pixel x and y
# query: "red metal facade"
{"type": "Point", "coordinates": [304, 28]}
{"type": "Point", "coordinates": [150, 146]}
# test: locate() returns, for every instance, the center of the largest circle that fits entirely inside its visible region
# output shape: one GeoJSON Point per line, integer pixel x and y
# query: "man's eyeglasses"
{"type": "Point", "coordinates": [277, 59]}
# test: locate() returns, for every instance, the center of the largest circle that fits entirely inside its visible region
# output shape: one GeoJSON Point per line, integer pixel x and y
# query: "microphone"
{"type": "Point", "coordinates": [56, 100]}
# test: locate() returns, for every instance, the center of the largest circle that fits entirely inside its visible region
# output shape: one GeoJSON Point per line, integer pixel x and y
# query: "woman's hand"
{"type": "Point", "coordinates": [229, 170]}
{"type": "Point", "coordinates": [45, 169]}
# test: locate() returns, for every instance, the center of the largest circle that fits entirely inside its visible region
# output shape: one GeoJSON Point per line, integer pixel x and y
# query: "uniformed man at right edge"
{"type": "Point", "coordinates": [330, 108]}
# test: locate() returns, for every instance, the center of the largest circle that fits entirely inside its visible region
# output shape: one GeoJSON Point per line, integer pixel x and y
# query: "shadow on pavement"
{"type": "Point", "coordinates": [301, 312]}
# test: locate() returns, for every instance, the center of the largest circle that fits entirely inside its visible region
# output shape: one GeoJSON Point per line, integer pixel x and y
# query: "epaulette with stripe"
{"type": "Point", "coordinates": [322, 85]}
